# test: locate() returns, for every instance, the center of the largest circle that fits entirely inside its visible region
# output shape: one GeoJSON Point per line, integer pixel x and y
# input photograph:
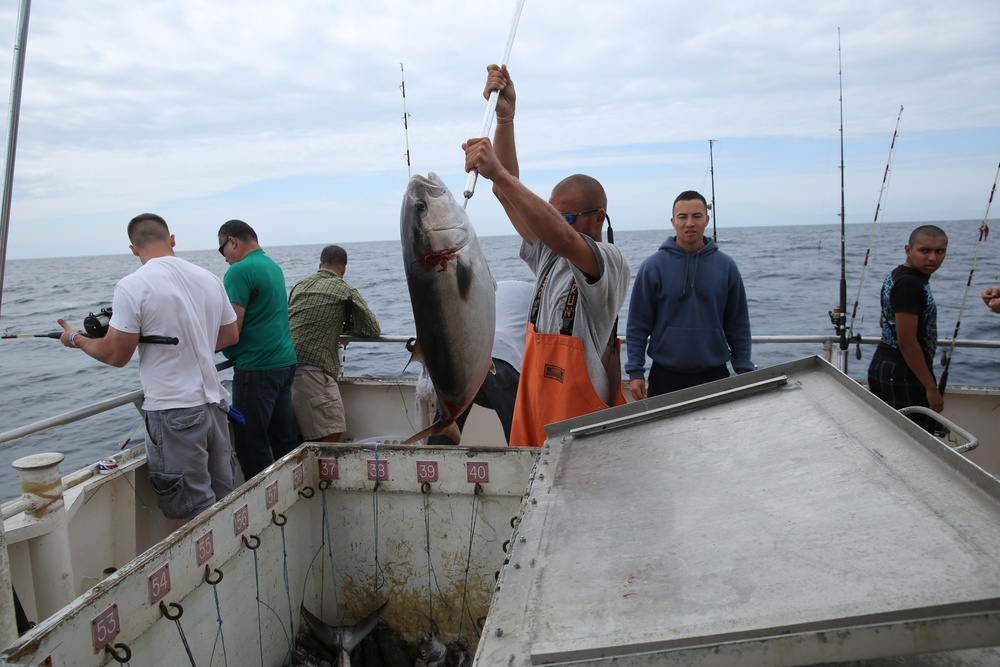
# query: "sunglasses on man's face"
{"type": "Point", "coordinates": [571, 217]}
{"type": "Point", "coordinates": [222, 247]}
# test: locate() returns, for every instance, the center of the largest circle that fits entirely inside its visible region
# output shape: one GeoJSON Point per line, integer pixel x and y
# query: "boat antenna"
{"type": "Point", "coordinates": [841, 315]}
{"type": "Point", "coordinates": [871, 236]}
{"type": "Point", "coordinates": [491, 105]}
{"type": "Point", "coordinates": [16, 81]}
{"type": "Point", "coordinates": [711, 171]}
{"type": "Point", "coordinates": [406, 125]}
{"type": "Point", "coordinates": [984, 232]}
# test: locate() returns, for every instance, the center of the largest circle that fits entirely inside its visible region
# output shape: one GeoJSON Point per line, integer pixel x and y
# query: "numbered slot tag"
{"type": "Point", "coordinates": [204, 548]}
{"type": "Point", "coordinates": [477, 472]}
{"type": "Point", "coordinates": [298, 477]}
{"type": "Point", "coordinates": [105, 628]}
{"type": "Point", "coordinates": [241, 520]}
{"type": "Point", "coordinates": [159, 584]}
{"type": "Point", "coordinates": [328, 470]}
{"type": "Point", "coordinates": [427, 471]}
{"type": "Point", "coordinates": [378, 470]}
{"type": "Point", "coordinates": [271, 495]}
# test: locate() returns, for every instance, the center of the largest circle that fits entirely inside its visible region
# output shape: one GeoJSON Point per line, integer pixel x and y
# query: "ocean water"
{"type": "Point", "coordinates": [792, 277]}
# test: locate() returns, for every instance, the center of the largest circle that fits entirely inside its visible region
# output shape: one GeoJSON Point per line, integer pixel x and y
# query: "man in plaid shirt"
{"type": "Point", "coordinates": [321, 306]}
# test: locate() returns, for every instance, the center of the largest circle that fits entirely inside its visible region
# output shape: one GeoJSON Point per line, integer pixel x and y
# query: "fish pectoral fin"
{"type": "Point", "coordinates": [465, 276]}
{"type": "Point", "coordinates": [416, 352]}
{"type": "Point", "coordinates": [451, 431]}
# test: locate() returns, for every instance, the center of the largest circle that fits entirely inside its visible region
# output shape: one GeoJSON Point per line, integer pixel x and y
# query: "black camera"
{"type": "Point", "coordinates": [97, 325]}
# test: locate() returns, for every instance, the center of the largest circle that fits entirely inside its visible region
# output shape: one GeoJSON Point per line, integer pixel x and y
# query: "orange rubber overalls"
{"type": "Point", "coordinates": [555, 384]}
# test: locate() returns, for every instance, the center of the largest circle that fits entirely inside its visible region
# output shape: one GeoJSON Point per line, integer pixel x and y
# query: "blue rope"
{"type": "Point", "coordinates": [218, 635]}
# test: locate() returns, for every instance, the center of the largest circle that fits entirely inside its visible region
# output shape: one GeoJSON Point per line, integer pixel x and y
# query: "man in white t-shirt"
{"type": "Point", "coordinates": [189, 454]}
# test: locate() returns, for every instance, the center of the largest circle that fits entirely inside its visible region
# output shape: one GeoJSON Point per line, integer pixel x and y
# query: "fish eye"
{"type": "Point", "coordinates": [421, 207]}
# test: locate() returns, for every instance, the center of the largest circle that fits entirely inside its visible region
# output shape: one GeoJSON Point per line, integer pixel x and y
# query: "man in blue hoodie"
{"type": "Point", "coordinates": [688, 308]}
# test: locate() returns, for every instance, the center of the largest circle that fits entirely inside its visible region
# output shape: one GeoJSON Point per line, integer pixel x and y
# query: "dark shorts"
{"type": "Point", "coordinates": [890, 378]}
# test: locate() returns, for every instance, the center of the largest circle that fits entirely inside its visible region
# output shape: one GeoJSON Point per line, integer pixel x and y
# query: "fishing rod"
{"type": "Point", "coordinates": [96, 326]}
{"type": "Point", "coordinates": [151, 340]}
{"type": "Point", "coordinates": [871, 235]}
{"type": "Point", "coordinates": [841, 315]}
{"type": "Point", "coordinates": [984, 232]}
{"type": "Point", "coordinates": [406, 116]}
{"type": "Point", "coordinates": [711, 171]}
{"type": "Point", "coordinates": [491, 105]}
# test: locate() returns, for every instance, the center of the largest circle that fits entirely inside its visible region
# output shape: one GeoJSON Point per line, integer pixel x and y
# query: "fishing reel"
{"type": "Point", "coordinates": [838, 319]}
{"type": "Point", "coordinates": [96, 326]}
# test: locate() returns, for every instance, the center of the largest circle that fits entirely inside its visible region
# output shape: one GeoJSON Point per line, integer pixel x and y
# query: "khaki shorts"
{"type": "Point", "coordinates": [316, 402]}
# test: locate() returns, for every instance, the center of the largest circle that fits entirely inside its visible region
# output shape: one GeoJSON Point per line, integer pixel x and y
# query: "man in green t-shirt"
{"type": "Point", "coordinates": [264, 357]}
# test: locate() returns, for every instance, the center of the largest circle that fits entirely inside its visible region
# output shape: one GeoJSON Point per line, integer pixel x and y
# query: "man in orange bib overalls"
{"type": "Point", "coordinates": [571, 360]}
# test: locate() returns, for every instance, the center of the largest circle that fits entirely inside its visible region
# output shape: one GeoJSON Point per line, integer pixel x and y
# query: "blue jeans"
{"type": "Point", "coordinates": [265, 399]}
{"type": "Point", "coordinates": [497, 392]}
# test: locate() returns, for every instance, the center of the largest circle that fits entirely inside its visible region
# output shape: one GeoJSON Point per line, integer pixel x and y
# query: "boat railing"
{"type": "Point", "coordinates": [830, 345]}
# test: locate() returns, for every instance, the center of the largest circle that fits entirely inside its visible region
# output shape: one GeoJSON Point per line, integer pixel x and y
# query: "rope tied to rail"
{"type": "Point", "coordinates": [280, 520]}
{"type": "Point", "coordinates": [219, 636]}
{"type": "Point", "coordinates": [175, 616]}
{"type": "Point", "coordinates": [476, 503]}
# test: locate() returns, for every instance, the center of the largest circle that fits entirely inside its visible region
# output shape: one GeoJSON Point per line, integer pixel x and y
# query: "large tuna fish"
{"type": "Point", "coordinates": [453, 296]}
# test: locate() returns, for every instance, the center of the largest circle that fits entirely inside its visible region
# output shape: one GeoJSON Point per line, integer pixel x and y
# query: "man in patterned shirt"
{"type": "Point", "coordinates": [901, 372]}
{"type": "Point", "coordinates": [320, 308]}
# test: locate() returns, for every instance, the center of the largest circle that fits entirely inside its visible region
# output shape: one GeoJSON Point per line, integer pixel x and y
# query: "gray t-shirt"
{"type": "Point", "coordinates": [598, 302]}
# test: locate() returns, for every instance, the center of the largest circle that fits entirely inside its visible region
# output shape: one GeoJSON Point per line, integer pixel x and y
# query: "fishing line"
{"type": "Point", "coordinates": [491, 105]}
{"type": "Point", "coordinates": [431, 576]}
{"type": "Point", "coordinates": [468, 560]}
{"type": "Point", "coordinates": [711, 171]}
{"type": "Point", "coordinates": [406, 116]}
{"type": "Point", "coordinates": [288, 587]}
{"type": "Point", "coordinates": [132, 434]}
{"type": "Point", "coordinates": [871, 235]}
{"type": "Point", "coordinates": [984, 232]}
{"type": "Point", "coordinates": [379, 576]}
{"type": "Point", "coordinates": [262, 603]}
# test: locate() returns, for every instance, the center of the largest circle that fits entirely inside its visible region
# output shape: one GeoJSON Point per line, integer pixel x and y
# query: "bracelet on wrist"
{"type": "Point", "coordinates": [72, 338]}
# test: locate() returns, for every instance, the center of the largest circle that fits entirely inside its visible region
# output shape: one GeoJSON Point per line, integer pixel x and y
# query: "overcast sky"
{"type": "Point", "coordinates": [289, 115]}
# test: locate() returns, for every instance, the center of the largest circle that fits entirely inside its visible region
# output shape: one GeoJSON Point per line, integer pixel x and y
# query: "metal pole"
{"type": "Point", "coordinates": [8, 627]}
{"type": "Point", "coordinates": [16, 79]}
